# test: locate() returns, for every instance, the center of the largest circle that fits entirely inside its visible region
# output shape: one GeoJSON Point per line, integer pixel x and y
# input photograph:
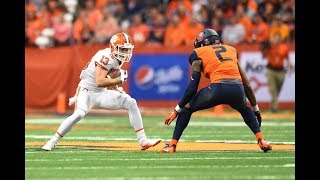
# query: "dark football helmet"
{"type": "Point", "coordinates": [207, 37]}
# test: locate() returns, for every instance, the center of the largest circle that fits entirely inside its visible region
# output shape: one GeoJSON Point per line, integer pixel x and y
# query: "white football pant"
{"type": "Point", "coordinates": [107, 99]}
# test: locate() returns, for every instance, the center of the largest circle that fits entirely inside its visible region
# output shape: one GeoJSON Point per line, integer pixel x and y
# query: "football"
{"type": "Point", "coordinates": [113, 73]}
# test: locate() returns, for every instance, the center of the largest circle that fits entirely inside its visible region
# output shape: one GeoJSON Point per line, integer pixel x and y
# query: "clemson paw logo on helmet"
{"type": "Point", "coordinates": [114, 39]}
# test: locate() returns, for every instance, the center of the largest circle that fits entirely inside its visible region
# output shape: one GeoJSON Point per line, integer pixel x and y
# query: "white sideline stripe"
{"type": "Point", "coordinates": [280, 177]}
{"type": "Point", "coordinates": [239, 124]}
{"type": "Point", "coordinates": [157, 167]}
{"type": "Point", "coordinates": [245, 142]}
{"type": "Point", "coordinates": [134, 139]}
{"type": "Point", "coordinates": [57, 121]}
{"type": "Point", "coordinates": [98, 121]}
{"type": "Point", "coordinates": [82, 138]}
{"type": "Point", "coordinates": [160, 159]}
{"type": "Point", "coordinates": [95, 151]}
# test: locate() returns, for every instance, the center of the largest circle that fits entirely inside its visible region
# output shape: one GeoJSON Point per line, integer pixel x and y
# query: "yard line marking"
{"type": "Point", "coordinates": [280, 177]}
{"type": "Point", "coordinates": [99, 121]}
{"type": "Point", "coordinates": [240, 141]}
{"type": "Point", "coordinates": [100, 151]}
{"type": "Point", "coordinates": [83, 138]}
{"type": "Point", "coordinates": [157, 167]}
{"type": "Point", "coordinates": [239, 124]}
{"type": "Point", "coordinates": [134, 139]}
{"type": "Point", "coordinates": [60, 152]}
{"type": "Point", "coordinates": [161, 159]}
{"type": "Point", "coordinates": [58, 121]}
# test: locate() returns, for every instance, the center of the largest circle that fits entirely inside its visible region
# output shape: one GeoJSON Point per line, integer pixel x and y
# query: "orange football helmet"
{"type": "Point", "coordinates": [121, 47]}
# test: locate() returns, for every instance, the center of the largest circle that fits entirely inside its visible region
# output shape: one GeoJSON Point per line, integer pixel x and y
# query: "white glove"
{"type": "Point", "coordinates": [124, 75]}
{"type": "Point", "coordinates": [120, 89]}
{"type": "Point", "coordinates": [72, 100]}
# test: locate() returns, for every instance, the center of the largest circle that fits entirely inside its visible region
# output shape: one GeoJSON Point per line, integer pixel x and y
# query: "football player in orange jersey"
{"type": "Point", "coordinates": [229, 85]}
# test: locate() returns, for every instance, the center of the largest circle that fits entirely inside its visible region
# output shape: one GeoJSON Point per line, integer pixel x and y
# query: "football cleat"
{"type": "Point", "coordinates": [264, 145]}
{"type": "Point", "coordinates": [169, 149]}
{"type": "Point", "coordinates": [147, 143]}
{"type": "Point", "coordinates": [50, 145]}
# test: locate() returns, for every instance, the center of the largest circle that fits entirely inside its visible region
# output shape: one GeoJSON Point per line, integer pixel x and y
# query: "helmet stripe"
{"type": "Point", "coordinates": [127, 37]}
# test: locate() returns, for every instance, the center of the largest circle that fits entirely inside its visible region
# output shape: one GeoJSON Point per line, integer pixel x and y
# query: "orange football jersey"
{"type": "Point", "coordinates": [218, 62]}
{"type": "Point", "coordinates": [277, 55]}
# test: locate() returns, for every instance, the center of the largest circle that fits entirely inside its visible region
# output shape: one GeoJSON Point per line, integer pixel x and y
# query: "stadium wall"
{"type": "Point", "coordinates": [157, 75]}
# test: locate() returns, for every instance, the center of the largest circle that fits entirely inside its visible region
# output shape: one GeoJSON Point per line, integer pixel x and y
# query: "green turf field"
{"type": "Point", "coordinates": [90, 162]}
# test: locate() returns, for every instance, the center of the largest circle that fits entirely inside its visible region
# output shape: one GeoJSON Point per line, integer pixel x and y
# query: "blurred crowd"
{"type": "Point", "coordinates": [170, 23]}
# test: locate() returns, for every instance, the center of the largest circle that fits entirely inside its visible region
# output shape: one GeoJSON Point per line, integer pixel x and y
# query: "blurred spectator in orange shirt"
{"type": "Point", "coordinates": [100, 4]}
{"type": "Point", "coordinates": [34, 27]}
{"type": "Point", "coordinates": [182, 11]}
{"type": "Point", "coordinates": [277, 26]}
{"type": "Point", "coordinates": [56, 8]}
{"type": "Point", "coordinates": [173, 5]}
{"type": "Point", "coordinates": [62, 30]}
{"type": "Point", "coordinates": [227, 8]}
{"type": "Point", "coordinates": [45, 39]}
{"type": "Point", "coordinates": [234, 32]}
{"type": "Point", "coordinates": [175, 32]}
{"type": "Point", "coordinates": [81, 32]}
{"type": "Point", "coordinates": [260, 30]}
{"type": "Point", "coordinates": [94, 15]}
{"type": "Point", "coordinates": [251, 7]}
{"type": "Point", "coordinates": [193, 29]}
{"type": "Point", "coordinates": [106, 28]}
{"type": "Point", "coordinates": [44, 13]}
{"type": "Point", "coordinates": [138, 31]}
{"type": "Point", "coordinates": [244, 20]}
{"type": "Point", "coordinates": [30, 7]}
{"type": "Point", "coordinates": [289, 19]}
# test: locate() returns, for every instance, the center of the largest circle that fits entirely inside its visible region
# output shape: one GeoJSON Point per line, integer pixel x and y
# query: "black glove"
{"type": "Point", "coordinates": [258, 115]}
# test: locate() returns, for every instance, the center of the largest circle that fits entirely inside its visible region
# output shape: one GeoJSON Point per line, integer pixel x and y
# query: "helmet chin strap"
{"type": "Point", "coordinates": [120, 64]}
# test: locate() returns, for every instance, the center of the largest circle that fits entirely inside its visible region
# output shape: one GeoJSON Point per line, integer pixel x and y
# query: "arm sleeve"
{"type": "Point", "coordinates": [191, 89]}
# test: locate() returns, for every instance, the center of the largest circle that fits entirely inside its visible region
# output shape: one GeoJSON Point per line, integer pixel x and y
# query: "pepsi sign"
{"type": "Point", "coordinates": [158, 77]}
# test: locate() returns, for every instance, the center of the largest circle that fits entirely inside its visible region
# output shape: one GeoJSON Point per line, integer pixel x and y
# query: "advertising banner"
{"type": "Point", "coordinates": [158, 77]}
{"type": "Point", "coordinates": [255, 68]}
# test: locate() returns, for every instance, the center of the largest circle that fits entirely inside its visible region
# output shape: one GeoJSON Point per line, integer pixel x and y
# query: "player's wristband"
{"type": "Point", "coordinates": [255, 108]}
{"type": "Point", "coordinates": [178, 109]}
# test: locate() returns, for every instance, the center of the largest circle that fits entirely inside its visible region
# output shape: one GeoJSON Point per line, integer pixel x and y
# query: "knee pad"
{"type": "Point", "coordinates": [130, 102]}
{"type": "Point", "coordinates": [79, 113]}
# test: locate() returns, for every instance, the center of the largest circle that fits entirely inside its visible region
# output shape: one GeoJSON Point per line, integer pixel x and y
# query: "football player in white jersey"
{"type": "Point", "coordinates": [93, 92]}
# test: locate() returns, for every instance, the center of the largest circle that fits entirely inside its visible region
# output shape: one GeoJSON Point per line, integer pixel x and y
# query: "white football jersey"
{"type": "Point", "coordinates": [104, 59]}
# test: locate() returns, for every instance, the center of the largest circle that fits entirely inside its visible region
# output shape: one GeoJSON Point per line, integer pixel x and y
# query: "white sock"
{"type": "Point", "coordinates": [57, 136]}
{"type": "Point", "coordinates": [141, 135]}
{"type": "Point", "coordinates": [134, 114]}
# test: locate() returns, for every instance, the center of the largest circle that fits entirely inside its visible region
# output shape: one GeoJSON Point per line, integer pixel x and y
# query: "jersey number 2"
{"type": "Point", "coordinates": [222, 50]}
